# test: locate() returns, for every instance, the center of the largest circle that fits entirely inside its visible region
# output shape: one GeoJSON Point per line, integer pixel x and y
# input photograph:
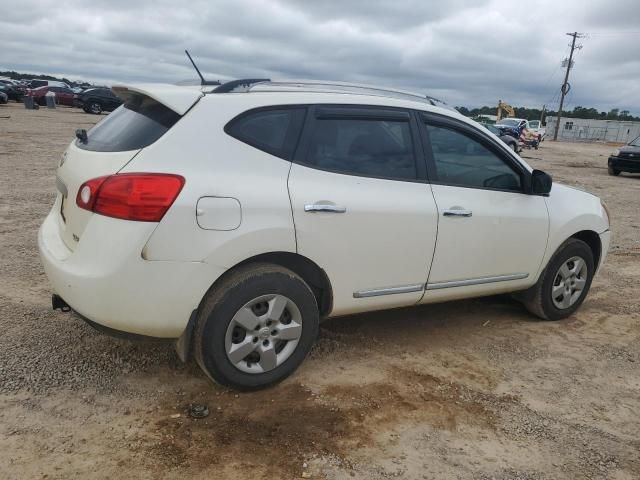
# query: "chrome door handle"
{"type": "Point", "coordinates": [324, 207]}
{"type": "Point", "coordinates": [457, 212]}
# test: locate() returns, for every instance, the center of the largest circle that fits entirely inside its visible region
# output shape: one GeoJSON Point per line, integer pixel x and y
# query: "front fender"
{"type": "Point", "coordinates": [571, 211]}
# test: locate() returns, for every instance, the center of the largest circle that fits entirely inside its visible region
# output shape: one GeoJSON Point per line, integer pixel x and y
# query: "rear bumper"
{"type": "Point", "coordinates": [106, 280]}
{"type": "Point", "coordinates": [624, 165]}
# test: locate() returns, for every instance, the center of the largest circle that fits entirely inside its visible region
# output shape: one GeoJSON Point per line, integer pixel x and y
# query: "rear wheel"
{"type": "Point", "coordinates": [564, 284]}
{"type": "Point", "coordinates": [613, 171]}
{"type": "Point", "coordinates": [514, 147]}
{"type": "Point", "coordinates": [256, 327]}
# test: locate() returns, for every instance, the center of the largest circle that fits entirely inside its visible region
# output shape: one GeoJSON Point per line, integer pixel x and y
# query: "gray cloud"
{"type": "Point", "coordinates": [467, 52]}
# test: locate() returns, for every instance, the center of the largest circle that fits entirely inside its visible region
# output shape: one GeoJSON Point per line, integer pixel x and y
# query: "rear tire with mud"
{"type": "Point", "coordinates": [255, 327]}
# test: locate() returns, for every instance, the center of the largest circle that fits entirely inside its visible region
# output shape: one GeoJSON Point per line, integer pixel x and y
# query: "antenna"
{"type": "Point", "coordinates": [202, 80]}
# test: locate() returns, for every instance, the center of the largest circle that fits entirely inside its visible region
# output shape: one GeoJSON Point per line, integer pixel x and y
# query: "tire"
{"type": "Point", "coordinates": [514, 147]}
{"type": "Point", "coordinates": [248, 294]}
{"type": "Point", "coordinates": [539, 299]}
{"type": "Point", "coordinates": [613, 171]}
{"type": "Point", "coordinates": [95, 108]}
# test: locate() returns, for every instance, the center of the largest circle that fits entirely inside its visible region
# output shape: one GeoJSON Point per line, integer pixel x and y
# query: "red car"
{"type": "Point", "coordinates": [64, 96]}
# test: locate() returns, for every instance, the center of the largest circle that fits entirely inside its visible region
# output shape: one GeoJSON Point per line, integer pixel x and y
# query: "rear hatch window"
{"type": "Point", "coordinates": [134, 125]}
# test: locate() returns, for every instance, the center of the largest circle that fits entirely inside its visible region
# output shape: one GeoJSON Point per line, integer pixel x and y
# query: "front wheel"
{"type": "Point", "coordinates": [564, 284]}
{"type": "Point", "coordinates": [95, 108]}
{"type": "Point", "coordinates": [613, 171]}
{"type": "Point", "coordinates": [256, 327]}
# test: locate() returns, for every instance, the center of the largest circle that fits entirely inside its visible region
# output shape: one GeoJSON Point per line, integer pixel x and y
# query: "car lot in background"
{"type": "Point", "coordinates": [64, 95]}
{"type": "Point", "coordinates": [625, 158]}
{"type": "Point", "coordinates": [97, 100]}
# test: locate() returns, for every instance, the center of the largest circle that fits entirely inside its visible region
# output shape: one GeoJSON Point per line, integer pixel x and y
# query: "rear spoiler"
{"type": "Point", "coordinates": [179, 99]}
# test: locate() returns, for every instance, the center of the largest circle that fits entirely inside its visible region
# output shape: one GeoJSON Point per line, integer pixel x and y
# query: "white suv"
{"type": "Point", "coordinates": [234, 219]}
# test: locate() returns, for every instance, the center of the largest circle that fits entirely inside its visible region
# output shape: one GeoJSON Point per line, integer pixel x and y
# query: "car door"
{"type": "Point", "coordinates": [492, 235]}
{"type": "Point", "coordinates": [362, 208]}
{"type": "Point", "coordinates": [66, 96]}
{"type": "Point", "coordinates": [111, 100]}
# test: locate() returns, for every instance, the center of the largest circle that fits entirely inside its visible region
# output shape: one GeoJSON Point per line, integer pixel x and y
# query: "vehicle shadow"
{"type": "Point", "coordinates": [456, 319]}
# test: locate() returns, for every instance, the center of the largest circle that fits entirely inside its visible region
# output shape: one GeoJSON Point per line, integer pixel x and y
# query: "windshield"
{"type": "Point", "coordinates": [510, 122]}
{"type": "Point", "coordinates": [635, 143]}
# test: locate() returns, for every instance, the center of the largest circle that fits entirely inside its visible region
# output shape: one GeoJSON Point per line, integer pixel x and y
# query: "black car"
{"type": "Point", "coordinates": [11, 90]}
{"type": "Point", "coordinates": [626, 159]}
{"type": "Point", "coordinates": [511, 141]}
{"type": "Point", "coordinates": [97, 100]}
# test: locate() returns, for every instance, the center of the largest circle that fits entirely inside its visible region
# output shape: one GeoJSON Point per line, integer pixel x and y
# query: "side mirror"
{"type": "Point", "coordinates": [81, 134]}
{"type": "Point", "coordinates": [540, 183]}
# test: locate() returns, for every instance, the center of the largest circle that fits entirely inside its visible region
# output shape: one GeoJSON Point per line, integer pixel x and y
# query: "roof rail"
{"type": "Point", "coordinates": [233, 84]}
{"type": "Point", "coordinates": [328, 86]}
{"type": "Point", "coordinates": [345, 87]}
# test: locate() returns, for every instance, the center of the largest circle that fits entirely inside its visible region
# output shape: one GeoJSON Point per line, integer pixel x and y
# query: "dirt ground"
{"type": "Point", "coordinates": [474, 389]}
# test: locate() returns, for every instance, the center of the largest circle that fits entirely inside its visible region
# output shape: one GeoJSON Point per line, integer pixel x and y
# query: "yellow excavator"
{"type": "Point", "coordinates": [506, 108]}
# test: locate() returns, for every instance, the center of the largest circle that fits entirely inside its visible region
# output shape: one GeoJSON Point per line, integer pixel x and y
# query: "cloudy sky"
{"type": "Point", "coordinates": [467, 52]}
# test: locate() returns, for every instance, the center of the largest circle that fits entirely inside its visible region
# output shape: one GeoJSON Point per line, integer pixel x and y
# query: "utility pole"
{"type": "Point", "coordinates": [565, 86]}
{"type": "Point", "coordinates": [544, 108]}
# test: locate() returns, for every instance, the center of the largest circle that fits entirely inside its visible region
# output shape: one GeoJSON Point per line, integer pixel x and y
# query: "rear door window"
{"type": "Point", "coordinates": [363, 142]}
{"type": "Point", "coordinates": [135, 125]}
{"type": "Point", "coordinates": [273, 130]}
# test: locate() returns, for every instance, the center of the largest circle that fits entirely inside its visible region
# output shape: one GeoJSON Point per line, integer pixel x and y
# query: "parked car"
{"type": "Point", "coordinates": [519, 128]}
{"type": "Point", "coordinates": [4, 98]}
{"type": "Point", "coordinates": [625, 159]}
{"type": "Point", "coordinates": [97, 100]}
{"type": "Point", "coordinates": [64, 96]}
{"type": "Point", "coordinates": [535, 127]}
{"type": "Point", "coordinates": [509, 140]}
{"type": "Point", "coordinates": [12, 90]}
{"type": "Point", "coordinates": [233, 219]}
{"type": "Point", "coordinates": [36, 83]}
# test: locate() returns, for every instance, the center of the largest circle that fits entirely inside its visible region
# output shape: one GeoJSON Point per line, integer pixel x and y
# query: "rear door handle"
{"type": "Point", "coordinates": [457, 212]}
{"type": "Point", "coordinates": [324, 207]}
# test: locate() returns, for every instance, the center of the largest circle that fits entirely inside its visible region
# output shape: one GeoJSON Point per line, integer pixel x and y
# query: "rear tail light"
{"type": "Point", "coordinates": [144, 197]}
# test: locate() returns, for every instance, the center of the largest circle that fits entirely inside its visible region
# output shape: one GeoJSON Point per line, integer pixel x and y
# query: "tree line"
{"type": "Point", "coordinates": [535, 113]}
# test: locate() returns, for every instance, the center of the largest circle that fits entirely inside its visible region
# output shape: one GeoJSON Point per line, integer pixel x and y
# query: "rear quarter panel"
{"type": "Point", "coordinates": [215, 164]}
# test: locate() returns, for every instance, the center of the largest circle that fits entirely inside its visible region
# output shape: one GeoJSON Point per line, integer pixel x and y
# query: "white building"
{"type": "Point", "coordinates": [584, 129]}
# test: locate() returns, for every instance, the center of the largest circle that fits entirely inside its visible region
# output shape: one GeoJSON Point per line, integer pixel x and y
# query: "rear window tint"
{"type": "Point", "coordinates": [273, 130]}
{"type": "Point", "coordinates": [134, 125]}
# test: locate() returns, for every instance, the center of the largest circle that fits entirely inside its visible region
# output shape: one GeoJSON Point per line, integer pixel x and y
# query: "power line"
{"type": "Point", "coordinates": [565, 85]}
{"type": "Point", "coordinates": [602, 34]}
